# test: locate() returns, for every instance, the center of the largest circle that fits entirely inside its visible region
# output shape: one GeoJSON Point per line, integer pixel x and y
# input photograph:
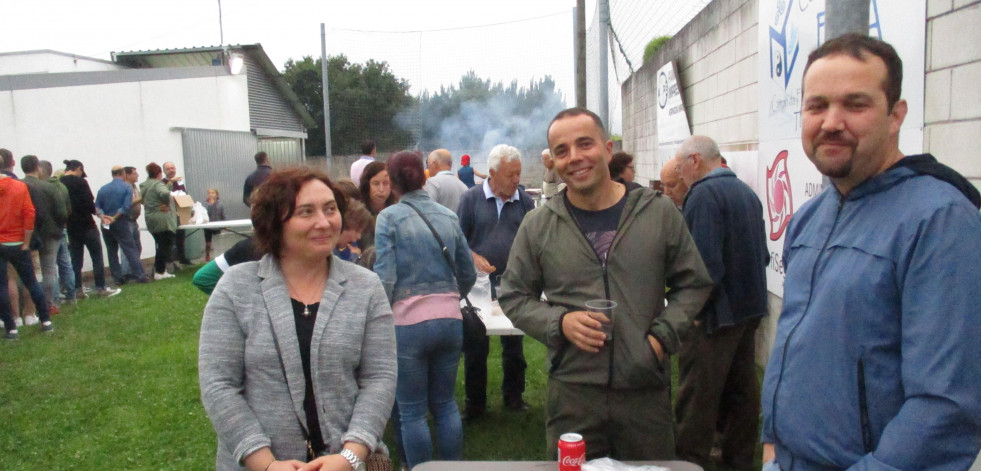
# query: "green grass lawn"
{"type": "Point", "coordinates": [116, 387]}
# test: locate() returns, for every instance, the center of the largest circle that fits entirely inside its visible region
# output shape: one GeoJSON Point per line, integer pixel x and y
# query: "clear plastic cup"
{"type": "Point", "coordinates": [605, 307]}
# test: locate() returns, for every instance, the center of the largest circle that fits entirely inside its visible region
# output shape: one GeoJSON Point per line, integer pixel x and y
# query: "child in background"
{"type": "Point", "coordinates": [216, 212]}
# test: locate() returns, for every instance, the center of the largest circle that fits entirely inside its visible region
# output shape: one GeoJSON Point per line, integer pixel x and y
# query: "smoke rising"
{"type": "Point", "coordinates": [517, 117]}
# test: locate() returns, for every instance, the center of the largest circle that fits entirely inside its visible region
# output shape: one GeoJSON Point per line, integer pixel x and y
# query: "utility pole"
{"type": "Point", "coordinates": [221, 27]}
{"type": "Point", "coordinates": [323, 72]}
{"type": "Point", "coordinates": [846, 16]}
{"type": "Point", "coordinates": [604, 68]}
{"type": "Point", "coordinates": [843, 17]}
{"type": "Point", "coordinates": [579, 13]}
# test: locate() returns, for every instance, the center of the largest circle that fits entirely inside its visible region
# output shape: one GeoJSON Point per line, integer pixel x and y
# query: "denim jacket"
{"type": "Point", "coordinates": [409, 261]}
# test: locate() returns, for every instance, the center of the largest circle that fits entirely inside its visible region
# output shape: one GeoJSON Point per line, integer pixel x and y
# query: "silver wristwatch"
{"type": "Point", "coordinates": [356, 462]}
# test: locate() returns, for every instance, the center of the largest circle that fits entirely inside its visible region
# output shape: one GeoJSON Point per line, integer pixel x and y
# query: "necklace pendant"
{"type": "Point", "coordinates": [306, 311]}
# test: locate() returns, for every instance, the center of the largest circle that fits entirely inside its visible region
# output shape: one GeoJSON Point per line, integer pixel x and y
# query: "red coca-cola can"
{"type": "Point", "coordinates": [572, 452]}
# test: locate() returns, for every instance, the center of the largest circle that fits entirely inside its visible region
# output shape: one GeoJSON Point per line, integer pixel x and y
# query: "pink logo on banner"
{"type": "Point", "coordinates": [779, 198]}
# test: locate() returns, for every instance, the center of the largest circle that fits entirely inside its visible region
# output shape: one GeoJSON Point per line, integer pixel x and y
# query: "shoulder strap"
{"type": "Point", "coordinates": [439, 240]}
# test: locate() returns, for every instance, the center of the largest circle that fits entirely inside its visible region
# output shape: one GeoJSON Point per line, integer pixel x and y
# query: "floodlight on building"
{"type": "Point", "coordinates": [235, 64]}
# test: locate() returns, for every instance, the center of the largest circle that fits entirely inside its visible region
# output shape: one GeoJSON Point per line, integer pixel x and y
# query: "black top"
{"type": "Point", "coordinates": [243, 251]}
{"type": "Point", "coordinates": [599, 227]}
{"type": "Point", "coordinates": [82, 204]}
{"type": "Point", "coordinates": [253, 180]}
{"type": "Point", "coordinates": [304, 334]}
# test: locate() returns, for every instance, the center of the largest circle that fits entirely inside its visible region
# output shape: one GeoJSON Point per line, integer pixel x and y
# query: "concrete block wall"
{"type": "Point", "coordinates": [715, 56]}
{"type": "Point", "coordinates": [640, 121]}
{"type": "Point", "coordinates": [952, 115]}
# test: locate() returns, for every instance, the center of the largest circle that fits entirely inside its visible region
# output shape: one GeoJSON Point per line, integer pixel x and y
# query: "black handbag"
{"type": "Point", "coordinates": [473, 328]}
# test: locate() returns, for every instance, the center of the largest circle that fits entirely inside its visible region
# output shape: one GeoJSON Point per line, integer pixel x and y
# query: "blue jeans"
{"type": "Point", "coordinates": [21, 261]}
{"type": "Point", "coordinates": [89, 239]}
{"type": "Point", "coordinates": [66, 274]}
{"type": "Point", "coordinates": [123, 263]}
{"type": "Point", "coordinates": [429, 355]}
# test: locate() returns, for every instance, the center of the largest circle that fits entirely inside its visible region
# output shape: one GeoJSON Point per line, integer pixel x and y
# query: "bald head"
{"type": "Point", "coordinates": [674, 187]}
{"type": "Point", "coordinates": [439, 160]}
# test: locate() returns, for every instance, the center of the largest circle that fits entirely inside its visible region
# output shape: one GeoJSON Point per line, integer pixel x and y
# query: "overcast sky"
{"type": "Point", "coordinates": [499, 39]}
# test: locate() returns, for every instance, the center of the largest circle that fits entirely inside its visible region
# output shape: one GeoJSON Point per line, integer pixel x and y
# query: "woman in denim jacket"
{"type": "Point", "coordinates": [425, 294]}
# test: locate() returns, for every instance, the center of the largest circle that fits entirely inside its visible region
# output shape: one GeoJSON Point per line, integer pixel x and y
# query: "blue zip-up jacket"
{"type": "Point", "coordinates": [408, 258]}
{"type": "Point", "coordinates": [876, 362]}
{"type": "Point", "coordinates": [725, 218]}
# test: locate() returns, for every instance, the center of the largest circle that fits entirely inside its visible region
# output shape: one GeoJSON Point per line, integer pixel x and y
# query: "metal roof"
{"type": "Point", "coordinates": [214, 55]}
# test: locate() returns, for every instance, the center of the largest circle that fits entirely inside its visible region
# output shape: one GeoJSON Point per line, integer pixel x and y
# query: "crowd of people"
{"type": "Point", "coordinates": [342, 314]}
{"type": "Point", "coordinates": [49, 219]}
{"type": "Point", "coordinates": [874, 363]}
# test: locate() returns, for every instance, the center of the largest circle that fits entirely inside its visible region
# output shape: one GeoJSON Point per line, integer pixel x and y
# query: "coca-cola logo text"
{"type": "Point", "coordinates": [573, 460]}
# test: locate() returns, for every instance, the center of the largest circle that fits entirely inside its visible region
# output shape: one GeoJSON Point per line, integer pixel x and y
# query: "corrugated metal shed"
{"type": "Point", "coordinates": [223, 159]}
{"type": "Point", "coordinates": [267, 109]}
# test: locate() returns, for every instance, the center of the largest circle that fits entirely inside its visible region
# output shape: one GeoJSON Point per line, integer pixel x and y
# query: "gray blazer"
{"type": "Point", "coordinates": [353, 362]}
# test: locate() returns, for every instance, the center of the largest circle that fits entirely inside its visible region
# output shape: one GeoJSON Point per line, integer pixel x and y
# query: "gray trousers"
{"type": "Point", "coordinates": [719, 392]}
{"type": "Point", "coordinates": [626, 425]}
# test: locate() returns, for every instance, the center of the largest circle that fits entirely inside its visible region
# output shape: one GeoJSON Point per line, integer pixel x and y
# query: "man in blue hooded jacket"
{"type": "Point", "coordinates": [875, 361]}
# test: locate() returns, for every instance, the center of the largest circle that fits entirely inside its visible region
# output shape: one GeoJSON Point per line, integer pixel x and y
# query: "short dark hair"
{"type": "Point", "coordinates": [129, 170]}
{"type": "Point", "coordinates": [857, 46]}
{"type": "Point", "coordinates": [6, 159]}
{"type": "Point", "coordinates": [274, 201]}
{"type": "Point", "coordinates": [367, 146]}
{"type": "Point", "coordinates": [116, 172]}
{"type": "Point", "coordinates": [406, 171]}
{"type": "Point", "coordinates": [153, 170]}
{"type": "Point", "coordinates": [261, 158]}
{"type": "Point", "coordinates": [28, 163]}
{"type": "Point", "coordinates": [572, 112]}
{"type": "Point", "coordinates": [620, 161]}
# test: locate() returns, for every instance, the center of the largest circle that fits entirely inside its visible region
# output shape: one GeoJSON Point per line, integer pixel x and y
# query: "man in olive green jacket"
{"type": "Point", "coordinates": [596, 240]}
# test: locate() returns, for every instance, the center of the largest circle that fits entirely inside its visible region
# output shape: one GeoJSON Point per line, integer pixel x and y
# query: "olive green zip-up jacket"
{"type": "Point", "coordinates": [155, 196]}
{"type": "Point", "coordinates": [651, 252]}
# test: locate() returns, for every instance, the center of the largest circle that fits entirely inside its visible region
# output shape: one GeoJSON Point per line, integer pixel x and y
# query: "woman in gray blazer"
{"type": "Point", "coordinates": [297, 357]}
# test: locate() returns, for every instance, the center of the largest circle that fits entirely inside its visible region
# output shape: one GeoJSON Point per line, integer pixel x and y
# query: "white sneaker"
{"type": "Point", "coordinates": [31, 320]}
{"type": "Point", "coordinates": [19, 322]}
{"type": "Point", "coordinates": [162, 276]}
{"type": "Point", "coordinates": [109, 292]}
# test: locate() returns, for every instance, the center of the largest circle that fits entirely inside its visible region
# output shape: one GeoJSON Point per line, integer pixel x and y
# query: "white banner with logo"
{"type": "Point", "coordinates": [788, 31]}
{"type": "Point", "coordinates": [672, 119]}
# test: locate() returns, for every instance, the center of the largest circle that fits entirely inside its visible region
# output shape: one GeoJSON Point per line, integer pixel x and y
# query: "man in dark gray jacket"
{"type": "Point", "coordinates": [595, 240]}
{"type": "Point", "coordinates": [717, 364]}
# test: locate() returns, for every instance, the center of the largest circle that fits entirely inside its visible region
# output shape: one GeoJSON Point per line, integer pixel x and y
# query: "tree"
{"type": "Point", "coordinates": [364, 102]}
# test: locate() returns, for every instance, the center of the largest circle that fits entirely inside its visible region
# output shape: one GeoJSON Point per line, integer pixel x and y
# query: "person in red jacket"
{"type": "Point", "coordinates": [16, 228]}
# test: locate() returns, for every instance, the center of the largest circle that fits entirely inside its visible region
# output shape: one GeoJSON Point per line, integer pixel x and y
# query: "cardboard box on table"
{"type": "Point", "coordinates": [183, 203]}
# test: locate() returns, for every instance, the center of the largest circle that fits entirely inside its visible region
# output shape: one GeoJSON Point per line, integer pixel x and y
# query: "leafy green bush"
{"type": "Point", "coordinates": [655, 45]}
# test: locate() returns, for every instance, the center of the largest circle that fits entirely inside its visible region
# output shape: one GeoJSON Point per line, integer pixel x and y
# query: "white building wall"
{"type": "Point", "coordinates": [46, 62]}
{"type": "Point", "coordinates": [128, 124]}
{"type": "Point", "coordinates": [952, 118]}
